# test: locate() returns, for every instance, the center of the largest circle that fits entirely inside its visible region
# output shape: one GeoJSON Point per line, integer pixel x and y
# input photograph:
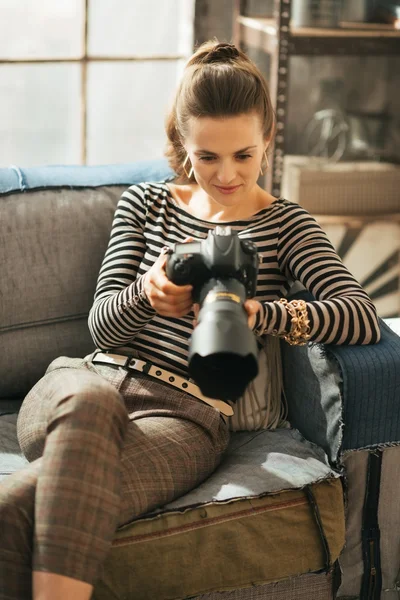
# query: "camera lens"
{"type": "Point", "coordinates": [223, 351]}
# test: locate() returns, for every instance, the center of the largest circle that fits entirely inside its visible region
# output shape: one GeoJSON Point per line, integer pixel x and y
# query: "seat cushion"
{"type": "Point", "coordinates": [224, 546]}
{"type": "Point", "coordinates": [248, 524]}
{"type": "Point", "coordinates": [11, 458]}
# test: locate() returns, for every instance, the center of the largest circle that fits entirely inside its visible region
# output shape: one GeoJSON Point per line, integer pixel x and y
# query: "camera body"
{"type": "Point", "coordinates": [222, 255]}
{"type": "Point", "coordinates": [223, 269]}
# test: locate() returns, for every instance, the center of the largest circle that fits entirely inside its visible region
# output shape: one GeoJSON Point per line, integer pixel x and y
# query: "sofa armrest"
{"type": "Point", "coordinates": [312, 385]}
{"type": "Point", "coordinates": [345, 397]}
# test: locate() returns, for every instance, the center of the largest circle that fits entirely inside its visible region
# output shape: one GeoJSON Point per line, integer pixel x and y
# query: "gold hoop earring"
{"type": "Point", "coordinates": [190, 174]}
{"type": "Point", "coordinates": [266, 163]}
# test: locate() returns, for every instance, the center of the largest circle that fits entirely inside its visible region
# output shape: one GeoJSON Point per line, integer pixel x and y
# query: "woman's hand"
{"type": "Point", "coordinates": [251, 306]}
{"type": "Point", "coordinates": [167, 299]}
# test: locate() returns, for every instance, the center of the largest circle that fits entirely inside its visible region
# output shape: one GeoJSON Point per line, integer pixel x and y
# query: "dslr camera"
{"type": "Point", "coordinates": [223, 272]}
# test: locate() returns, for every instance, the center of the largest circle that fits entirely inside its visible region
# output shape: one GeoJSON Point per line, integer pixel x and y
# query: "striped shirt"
{"type": "Point", "coordinates": [292, 246]}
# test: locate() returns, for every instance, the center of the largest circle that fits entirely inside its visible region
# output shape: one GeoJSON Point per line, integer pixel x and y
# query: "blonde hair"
{"type": "Point", "coordinates": [219, 80]}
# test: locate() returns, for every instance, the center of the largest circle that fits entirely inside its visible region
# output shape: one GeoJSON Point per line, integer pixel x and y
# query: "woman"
{"type": "Point", "coordinates": [106, 441]}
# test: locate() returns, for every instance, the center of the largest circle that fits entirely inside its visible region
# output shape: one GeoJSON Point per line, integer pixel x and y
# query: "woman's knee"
{"type": "Point", "coordinates": [68, 395]}
{"type": "Point", "coordinates": [90, 401]}
{"type": "Point", "coordinates": [74, 389]}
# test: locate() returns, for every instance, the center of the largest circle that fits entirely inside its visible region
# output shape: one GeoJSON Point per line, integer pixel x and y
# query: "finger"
{"type": "Point", "coordinates": [167, 310]}
{"type": "Point", "coordinates": [251, 321]}
{"type": "Point", "coordinates": [157, 297]}
{"type": "Point", "coordinates": [158, 268]}
{"type": "Point", "coordinates": [170, 302]}
{"type": "Point", "coordinates": [180, 303]}
{"type": "Point", "coordinates": [166, 286]}
{"type": "Point", "coordinates": [173, 299]}
{"type": "Point", "coordinates": [252, 306]}
{"type": "Point", "coordinates": [196, 310]}
{"type": "Point", "coordinates": [162, 258]}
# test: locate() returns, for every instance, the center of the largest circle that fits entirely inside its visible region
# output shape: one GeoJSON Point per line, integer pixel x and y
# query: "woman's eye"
{"type": "Point", "coordinates": [211, 158]}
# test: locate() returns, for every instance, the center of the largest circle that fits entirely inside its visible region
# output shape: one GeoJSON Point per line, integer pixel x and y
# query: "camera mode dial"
{"type": "Point", "coordinates": [248, 247]}
{"type": "Point", "coordinates": [180, 272]}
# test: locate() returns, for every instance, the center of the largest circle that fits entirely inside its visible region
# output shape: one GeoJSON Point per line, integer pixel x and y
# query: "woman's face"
{"type": "Point", "coordinates": [226, 155]}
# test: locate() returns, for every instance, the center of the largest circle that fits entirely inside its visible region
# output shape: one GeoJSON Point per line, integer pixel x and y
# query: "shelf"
{"type": "Point", "coordinates": [348, 39]}
{"type": "Point", "coordinates": [280, 40]}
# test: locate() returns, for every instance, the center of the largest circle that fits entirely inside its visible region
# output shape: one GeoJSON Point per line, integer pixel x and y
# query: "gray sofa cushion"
{"type": "Point", "coordinates": [55, 242]}
{"type": "Point", "coordinates": [57, 225]}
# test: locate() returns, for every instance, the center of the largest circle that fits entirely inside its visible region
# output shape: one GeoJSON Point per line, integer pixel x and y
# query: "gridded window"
{"type": "Point", "coordinates": [89, 81]}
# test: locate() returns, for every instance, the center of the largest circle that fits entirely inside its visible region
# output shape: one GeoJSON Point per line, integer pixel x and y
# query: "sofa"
{"type": "Point", "coordinates": [307, 512]}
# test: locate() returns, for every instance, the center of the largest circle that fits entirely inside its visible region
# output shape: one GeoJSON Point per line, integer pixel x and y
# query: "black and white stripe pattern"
{"type": "Point", "coordinates": [292, 246]}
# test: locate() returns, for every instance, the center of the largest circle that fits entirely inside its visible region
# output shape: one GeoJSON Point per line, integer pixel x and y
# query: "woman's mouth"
{"type": "Point", "coordinates": [227, 189]}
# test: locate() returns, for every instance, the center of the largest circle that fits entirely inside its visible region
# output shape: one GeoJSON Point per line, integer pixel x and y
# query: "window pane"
{"type": "Point", "coordinates": [127, 104]}
{"type": "Point", "coordinates": [40, 114]}
{"type": "Point", "coordinates": [41, 28]}
{"type": "Point", "coordinates": [141, 28]}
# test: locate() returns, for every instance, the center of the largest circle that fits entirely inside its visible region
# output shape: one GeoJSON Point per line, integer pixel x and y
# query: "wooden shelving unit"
{"type": "Point", "coordinates": [281, 41]}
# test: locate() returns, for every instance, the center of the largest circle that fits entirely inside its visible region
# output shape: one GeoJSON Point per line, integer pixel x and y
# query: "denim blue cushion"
{"type": "Point", "coordinates": [18, 179]}
{"type": "Point", "coordinates": [371, 391]}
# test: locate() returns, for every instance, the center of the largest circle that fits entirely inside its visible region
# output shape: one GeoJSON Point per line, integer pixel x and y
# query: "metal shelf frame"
{"type": "Point", "coordinates": [281, 41]}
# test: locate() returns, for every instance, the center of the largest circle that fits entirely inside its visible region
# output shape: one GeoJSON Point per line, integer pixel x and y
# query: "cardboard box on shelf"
{"type": "Point", "coordinates": [342, 188]}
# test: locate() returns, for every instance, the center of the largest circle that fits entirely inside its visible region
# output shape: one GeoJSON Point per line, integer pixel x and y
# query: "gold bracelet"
{"type": "Point", "coordinates": [300, 324]}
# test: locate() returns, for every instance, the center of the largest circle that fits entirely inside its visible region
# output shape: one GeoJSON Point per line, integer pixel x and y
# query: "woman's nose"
{"type": "Point", "coordinates": [226, 172]}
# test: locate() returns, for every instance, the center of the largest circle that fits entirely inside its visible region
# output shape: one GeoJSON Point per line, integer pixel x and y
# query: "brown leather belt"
{"type": "Point", "coordinates": [148, 368]}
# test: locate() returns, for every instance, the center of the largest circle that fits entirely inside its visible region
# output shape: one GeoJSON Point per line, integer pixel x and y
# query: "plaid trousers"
{"type": "Point", "coordinates": [105, 446]}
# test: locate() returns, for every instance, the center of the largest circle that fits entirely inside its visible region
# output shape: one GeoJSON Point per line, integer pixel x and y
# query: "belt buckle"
{"type": "Point", "coordinates": [131, 361]}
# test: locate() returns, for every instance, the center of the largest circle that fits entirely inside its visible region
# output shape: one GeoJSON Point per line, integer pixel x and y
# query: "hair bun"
{"type": "Point", "coordinates": [221, 52]}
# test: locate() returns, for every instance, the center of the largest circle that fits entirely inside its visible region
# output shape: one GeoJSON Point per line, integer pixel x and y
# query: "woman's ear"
{"type": "Point", "coordinates": [267, 142]}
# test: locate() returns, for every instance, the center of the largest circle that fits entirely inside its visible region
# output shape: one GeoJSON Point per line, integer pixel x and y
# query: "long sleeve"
{"type": "Point", "coordinates": [342, 312]}
{"type": "Point", "coordinates": [120, 307]}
